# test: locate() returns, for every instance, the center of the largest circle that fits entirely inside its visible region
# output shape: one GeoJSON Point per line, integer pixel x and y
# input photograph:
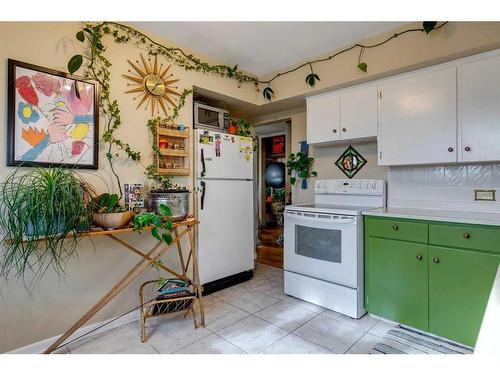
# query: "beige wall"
{"type": "Point", "coordinates": [56, 303]}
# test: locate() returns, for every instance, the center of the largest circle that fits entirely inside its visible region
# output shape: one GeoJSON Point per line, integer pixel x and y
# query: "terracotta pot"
{"type": "Point", "coordinates": [111, 221]}
{"type": "Point", "coordinates": [233, 129]}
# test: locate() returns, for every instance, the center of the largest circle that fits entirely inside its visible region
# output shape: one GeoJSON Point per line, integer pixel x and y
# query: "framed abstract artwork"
{"type": "Point", "coordinates": [53, 118]}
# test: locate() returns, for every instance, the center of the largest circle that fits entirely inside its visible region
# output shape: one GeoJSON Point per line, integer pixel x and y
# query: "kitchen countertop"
{"type": "Point", "coordinates": [467, 217]}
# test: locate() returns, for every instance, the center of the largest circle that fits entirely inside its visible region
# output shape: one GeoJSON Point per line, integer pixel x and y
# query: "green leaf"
{"type": "Point", "coordinates": [75, 63]}
{"type": "Point", "coordinates": [303, 174]}
{"type": "Point", "coordinates": [311, 79]}
{"type": "Point", "coordinates": [80, 36]}
{"type": "Point", "coordinates": [428, 26]}
{"type": "Point", "coordinates": [268, 93]}
{"type": "Point", "coordinates": [155, 234]}
{"type": "Point", "coordinates": [113, 200]}
{"type": "Point", "coordinates": [156, 220]}
{"type": "Point", "coordinates": [169, 225]}
{"type": "Point", "coordinates": [292, 180]}
{"type": "Point", "coordinates": [363, 66]}
{"type": "Point", "coordinates": [164, 210]}
{"type": "Point", "coordinates": [167, 238]}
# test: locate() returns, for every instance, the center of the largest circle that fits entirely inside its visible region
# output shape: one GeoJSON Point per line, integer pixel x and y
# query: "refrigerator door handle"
{"type": "Point", "coordinates": [203, 169]}
{"type": "Point", "coordinates": [203, 188]}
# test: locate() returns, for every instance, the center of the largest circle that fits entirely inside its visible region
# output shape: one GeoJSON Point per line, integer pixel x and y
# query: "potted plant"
{"type": "Point", "coordinates": [41, 213]}
{"type": "Point", "coordinates": [164, 192]}
{"type": "Point", "coordinates": [233, 128]}
{"type": "Point", "coordinates": [108, 213]}
{"type": "Point", "coordinates": [300, 165]}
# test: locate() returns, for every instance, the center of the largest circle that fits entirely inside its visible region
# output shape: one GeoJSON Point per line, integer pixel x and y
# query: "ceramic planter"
{"type": "Point", "coordinates": [113, 220]}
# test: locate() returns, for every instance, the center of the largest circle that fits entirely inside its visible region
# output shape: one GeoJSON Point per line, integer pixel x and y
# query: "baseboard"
{"type": "Point", "coordinates": [40, 346]}
{"type": "Point", "coordinates": [226, 282]}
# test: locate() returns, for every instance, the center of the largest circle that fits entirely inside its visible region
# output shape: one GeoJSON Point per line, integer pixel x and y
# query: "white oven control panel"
{"type": "Point", "coordinates": [360, 187]}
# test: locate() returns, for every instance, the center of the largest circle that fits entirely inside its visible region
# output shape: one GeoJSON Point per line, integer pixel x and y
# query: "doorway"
{"type": "Point", "coordinates": [273, 190]}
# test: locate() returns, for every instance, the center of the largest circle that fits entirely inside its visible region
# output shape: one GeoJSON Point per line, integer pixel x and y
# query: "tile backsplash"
{"type": "Point", "coordinates": [443, 187]}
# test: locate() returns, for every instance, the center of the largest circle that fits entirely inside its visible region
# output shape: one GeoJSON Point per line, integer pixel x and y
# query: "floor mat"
{"type": "Point", "coordinates": [401, 340]}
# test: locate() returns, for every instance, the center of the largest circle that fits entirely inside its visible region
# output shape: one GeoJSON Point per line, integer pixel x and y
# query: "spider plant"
{"type": "Point", "coordinates": [41, 212]}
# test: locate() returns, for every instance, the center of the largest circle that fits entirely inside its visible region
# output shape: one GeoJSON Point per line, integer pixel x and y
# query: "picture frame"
{"type": "Point", "coordinates": [52, 118]}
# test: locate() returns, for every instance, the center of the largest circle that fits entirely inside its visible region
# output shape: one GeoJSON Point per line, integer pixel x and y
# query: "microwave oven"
{"type": "Point", "coordinates": [209, 117]}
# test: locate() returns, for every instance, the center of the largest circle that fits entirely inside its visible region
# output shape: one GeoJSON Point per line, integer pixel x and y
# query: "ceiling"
{"type": "Point", "coordinates": [265, 47]}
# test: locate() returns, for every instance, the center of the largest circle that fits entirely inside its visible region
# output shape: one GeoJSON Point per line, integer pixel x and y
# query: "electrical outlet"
{"type": "Point", "coordinates": [484, 195]}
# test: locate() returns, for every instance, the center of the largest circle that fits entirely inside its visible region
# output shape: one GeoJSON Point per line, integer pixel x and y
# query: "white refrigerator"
{"type": "Point", "coordinates": [224, 205]}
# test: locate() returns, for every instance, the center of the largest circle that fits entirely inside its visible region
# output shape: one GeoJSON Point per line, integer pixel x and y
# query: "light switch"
{"type": "Point", "coordinates": [484, 195]}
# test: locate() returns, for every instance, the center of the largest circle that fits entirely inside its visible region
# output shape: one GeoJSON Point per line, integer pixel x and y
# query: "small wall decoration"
{"type": "Point", "coordinates": [278, 145]}
{"type": "Point", "coordinates": [52, 118]}
{"type": "Point", "coordinates": [350, 162]}
{"type": "Point", "coordinates": [134, 196]}
{"type": "Point", "coordinates": [153, 85]}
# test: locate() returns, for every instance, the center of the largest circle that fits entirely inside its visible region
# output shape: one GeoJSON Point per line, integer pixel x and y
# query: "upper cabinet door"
{"type": "Point", "coordinates": [479, 105]}
{"type": "Point", "coordinates": [323, 118]}
{"type": "Point", "coordinates": [358, 113]}
{"type": "Point", "coordinates": [418, 119]}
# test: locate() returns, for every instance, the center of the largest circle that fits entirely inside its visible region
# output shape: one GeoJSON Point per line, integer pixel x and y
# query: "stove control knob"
{"type": "Point", "coordinates": [374, 186]}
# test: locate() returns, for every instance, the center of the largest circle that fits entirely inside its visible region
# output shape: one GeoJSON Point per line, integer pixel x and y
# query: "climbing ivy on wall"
{"type": "Point", "coordinates": [97, 67]}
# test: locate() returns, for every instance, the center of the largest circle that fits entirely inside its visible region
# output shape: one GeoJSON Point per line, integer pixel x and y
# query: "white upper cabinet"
{"type": "Point", "coordinates": [479, 109]}
{"type": "Point", "coordinates": [418, 118]}
{"type": "Point", "coordinates": [342, 115]}
{"type": "Point", "coordinates": [323, 118]}
{"type": "Point", "coordinates": [358, 113]}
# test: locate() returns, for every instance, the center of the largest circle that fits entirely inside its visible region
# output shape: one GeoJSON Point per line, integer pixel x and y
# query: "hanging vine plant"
{"type": "Point", "coordinates": [124, 33]}
{"type": "Point", "coordinates": [98, 68]}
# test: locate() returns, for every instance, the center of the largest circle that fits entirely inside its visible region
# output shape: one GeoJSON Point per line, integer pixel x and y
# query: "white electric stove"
{"type": "Point", "coordinates": [323, 244]}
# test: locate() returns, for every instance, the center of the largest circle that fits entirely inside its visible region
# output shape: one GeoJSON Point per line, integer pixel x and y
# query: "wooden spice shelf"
{"type": "Point", "coordinates": [173, 133]}
{"type": "Point", "coordinates": [173, 172]}
{"type": "Point", "coordinates": [174, 152]}
{"type": "Point", "coordinates": [173, 161]}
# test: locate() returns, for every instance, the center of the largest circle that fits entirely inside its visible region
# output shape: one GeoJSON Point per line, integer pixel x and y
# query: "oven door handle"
{"type": "Point", "coordinates": [317, 217]}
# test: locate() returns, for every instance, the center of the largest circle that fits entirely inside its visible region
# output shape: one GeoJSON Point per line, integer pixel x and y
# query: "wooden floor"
{"type": "Point", "coordinates": [269, 252]}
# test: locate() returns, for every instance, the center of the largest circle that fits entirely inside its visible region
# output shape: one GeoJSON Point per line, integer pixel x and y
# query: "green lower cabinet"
{"type": "Point", "coordinates": [459, 286]}
{"type": "Point", "coordinates": [398, 281]}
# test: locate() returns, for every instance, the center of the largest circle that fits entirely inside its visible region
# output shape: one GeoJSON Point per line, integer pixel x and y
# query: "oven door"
{"type": "Point", "coordinates": [322, 246]}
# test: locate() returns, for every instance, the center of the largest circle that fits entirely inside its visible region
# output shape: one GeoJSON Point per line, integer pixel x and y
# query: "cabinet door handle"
{"type": "Point", "coordinates": [335, 130]}
{"type": "Point", "coordinates": [395, 227]}
{"type": "Point", "coordinates": [435, 260]}
{"type": "Point", "coordinates": [467, 148]}
{"type": "Point", "coordinates": [466, 235]}
{"type": "Point", "coordinates": [419, 257]}
{"type": "Point", "coordinates": [344, 130]}
{"type": "Point", "coordinates": [450, 149]}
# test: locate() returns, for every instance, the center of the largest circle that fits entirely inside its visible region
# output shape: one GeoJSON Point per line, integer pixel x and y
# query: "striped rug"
{"type": "Point", "coordinates": [401, 340]}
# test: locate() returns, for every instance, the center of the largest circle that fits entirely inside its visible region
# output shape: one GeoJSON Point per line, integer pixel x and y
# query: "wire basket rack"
{"type": "Point", "coordinates": [154, 304]}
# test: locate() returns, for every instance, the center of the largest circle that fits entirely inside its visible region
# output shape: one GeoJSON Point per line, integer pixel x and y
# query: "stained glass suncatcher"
{"type": "Point", "coordinates": [350, 162]}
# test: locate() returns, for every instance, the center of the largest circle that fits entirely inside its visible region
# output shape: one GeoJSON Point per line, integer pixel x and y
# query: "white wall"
{"type": "Point", "coordinates": [443, 187]}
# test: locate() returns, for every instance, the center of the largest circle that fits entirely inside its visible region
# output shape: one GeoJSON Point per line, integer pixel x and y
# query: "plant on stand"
{"type": "Point", "coordinates": [41, 213]}
{"type": "Point", "coordinates": [300, 165]}
{"type": "Point", "coordinates": [108, 213]}
{"type": "Point", "coordinates": [165, 192]}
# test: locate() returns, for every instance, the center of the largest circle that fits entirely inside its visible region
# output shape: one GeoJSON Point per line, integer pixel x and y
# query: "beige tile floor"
{"type": "Point", "coordinates": [253, 317]}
